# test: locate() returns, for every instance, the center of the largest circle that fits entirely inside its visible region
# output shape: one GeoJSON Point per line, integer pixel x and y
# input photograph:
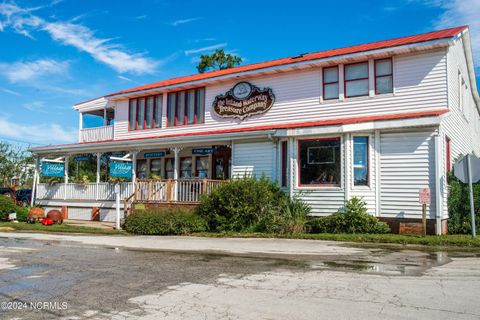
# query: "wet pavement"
{"type": "Point", "coordinates": [61, 279]}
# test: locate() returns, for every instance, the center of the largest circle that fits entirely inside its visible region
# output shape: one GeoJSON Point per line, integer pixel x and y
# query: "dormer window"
{"type": "Point", "coordinates": [356, 79]}
{"type": "Point", "coordinates": [186, 107]}
{"type": "Point", "coordinates": [383, 76]}
{"type": "Point", "coordinates": [145, 112]}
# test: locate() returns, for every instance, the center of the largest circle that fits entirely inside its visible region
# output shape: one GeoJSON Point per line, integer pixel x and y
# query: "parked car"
{"type": "Point", "coordinates": [23, 197]}
{"type": "Point", "coordinates": [7, 191]}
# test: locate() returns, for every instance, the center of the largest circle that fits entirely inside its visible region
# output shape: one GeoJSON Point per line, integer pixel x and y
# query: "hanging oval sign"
{"type": "Point", "coordinates": [243, 100]}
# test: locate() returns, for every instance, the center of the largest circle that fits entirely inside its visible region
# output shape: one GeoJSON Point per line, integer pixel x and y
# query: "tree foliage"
{"type": "Point", "coordinates": [14, 162]}
{"type": "Point", "coordinates": [218, 60]}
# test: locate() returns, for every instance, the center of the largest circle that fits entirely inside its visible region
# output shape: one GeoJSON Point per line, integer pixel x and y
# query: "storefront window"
{"type": "Point", "coordinates": [201, 164]}
{"type": "Point", "coordinates": [156, 168]}
{"type": "Point", "coordinates": [141, 169]}
{"type": "Point", "coordinates": [320, 162]}
{"type": "Point", "coordinates": [169, 167]}
{"type": "Point", "coordinates": [186, 167]}
{"type": "Point", "coordinates": [360, 161]}
{"type": "Point", "coordinates": [145, 113]}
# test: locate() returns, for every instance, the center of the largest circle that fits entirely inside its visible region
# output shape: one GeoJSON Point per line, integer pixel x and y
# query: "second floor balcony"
{"type": "Point", "coordinates": [96, 125]}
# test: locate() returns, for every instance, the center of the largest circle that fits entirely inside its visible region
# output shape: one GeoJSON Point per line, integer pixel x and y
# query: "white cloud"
{"type": "Point", "coordinates": [78, 36]}
{"type": "Point", "coordinates": [457, 13]}
{"type": "Point", "coordinates": [128, 79]}
{"type": "Point", "coordinates": [40, 106]}
{"type": "Point", "coordinates": [203, 49]}
{"type": "Point", "coordinates": [14, 93]}
{"type": "Point", "coordinates": [31, 70]}
{"type": "Point", "coordinates": [44, 133]}
{"type": "Point", "coordinates": [184, 21]}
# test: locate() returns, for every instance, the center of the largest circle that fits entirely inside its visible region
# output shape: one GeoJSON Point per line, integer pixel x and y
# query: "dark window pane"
{"type": "Point", "coordinates": [356, 88]}
{"type": "Point", "coordinates": [133, 114]}
{"type": "Point", "coordinates": [158, 111]}
{"type": "Point", "coordinates": [384, 84]}
{"type": "Point", "coordinates": [360, 161]}
{"type": "Point", "coordinates": [169, 167]}
{"type": "Point", "coordinates": [186, 168]}
{"type": "Point", "coordinates": [172, 103]}
{"type": "Point", "coordinates": [330, 75]}
{"type": "Point", "coordinates": [180, 107]}
{"type": "Point", "coordinates": [320, 162]}
{"type": "Point", "coordinates": [142, 169]}
{"type": "Point", "coordinates": [201, 166]}
{"type": "Point", "coordinates": [200, 105]}
{"type": "Point", "coordinates": [383, 67]}
{"type": "Point", "coordinates": [149, 112]}
{"type": "Point", "coordinates": [141, 113]}
{"type": "Point", "coordinates": [330, 91]}
{"type": "Point", "coordinates": [191, 107]}
{"type": "Point", "coordinates": [356, 71]}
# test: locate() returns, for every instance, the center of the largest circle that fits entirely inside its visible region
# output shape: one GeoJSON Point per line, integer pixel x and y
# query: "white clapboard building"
{"type": "Point", "coordinates": [378, 121]}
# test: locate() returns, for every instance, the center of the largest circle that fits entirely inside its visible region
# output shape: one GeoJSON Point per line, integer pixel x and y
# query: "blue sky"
{"type": "Point", "coordinates": [55, 54]}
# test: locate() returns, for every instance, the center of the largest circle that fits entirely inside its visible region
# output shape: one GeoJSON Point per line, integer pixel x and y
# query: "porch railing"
{"type": "Point", "coordinates": [181, 190]}
{"type": "Point", "coordinates": [97, 134]}
{"type": "Point", "coordinates": [74, 191]}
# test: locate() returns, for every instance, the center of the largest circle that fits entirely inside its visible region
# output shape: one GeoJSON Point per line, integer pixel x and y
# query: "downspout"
{"type": "Point", "coordinates": [438, 184]}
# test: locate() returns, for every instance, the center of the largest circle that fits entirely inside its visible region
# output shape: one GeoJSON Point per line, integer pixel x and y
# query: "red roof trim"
{"type": "Point", "coordinates": [434, 35]}
{"type": "Point", "coordinates": [319, 123]}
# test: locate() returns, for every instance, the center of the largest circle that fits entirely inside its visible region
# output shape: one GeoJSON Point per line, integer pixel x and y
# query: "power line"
{"type": "Point", "coordinates": [20, 141]}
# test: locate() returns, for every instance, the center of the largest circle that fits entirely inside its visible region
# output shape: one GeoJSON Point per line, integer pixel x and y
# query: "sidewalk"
{"type": "Point", "coordinates": [177, 243]}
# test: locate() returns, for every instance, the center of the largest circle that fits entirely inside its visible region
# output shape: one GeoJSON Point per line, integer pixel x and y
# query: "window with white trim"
{"type": "Point", "coordinates": [330, 83]}
{"type": "Point", "coordinates": [320, 162]}
{"type": "Point", "coordinates": [360, 161]}
{"type": "Point", "coordinates": [383, 76]}
{"type": "Point", "coordinates": [356, 79]}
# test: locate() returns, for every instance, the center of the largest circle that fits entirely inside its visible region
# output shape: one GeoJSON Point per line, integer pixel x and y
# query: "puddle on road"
{"type": "Point", "coordinates": [388, 262]}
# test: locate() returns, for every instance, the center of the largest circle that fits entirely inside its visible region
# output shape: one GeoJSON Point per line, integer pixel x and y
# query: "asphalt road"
{"type": "Point", "coordinates": [48, 279]}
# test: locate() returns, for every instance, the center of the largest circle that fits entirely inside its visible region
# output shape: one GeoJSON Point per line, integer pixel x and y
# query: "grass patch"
{"type": "Point", "coordinates": [60, 228]}
{"type": "Point", "coordinates": [439, 241]}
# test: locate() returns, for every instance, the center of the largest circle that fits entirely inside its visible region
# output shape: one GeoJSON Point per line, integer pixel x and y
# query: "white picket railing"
{"type": "Point", "coordinates": [74, 191]}
{"type": "Point", "coordinates": [187, 190]}
{"type": "Point", "coordinates": [97, 134]}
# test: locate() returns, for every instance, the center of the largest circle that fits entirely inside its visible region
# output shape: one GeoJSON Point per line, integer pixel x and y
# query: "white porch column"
{"type": "Point", "coordinates": [35, 181]}
{"type": "Point", "coordinates": [438, 147]}
{"type": "Point", "coordinates": [176, 168]}
{"type": "Point", "coordinates": [99, 155]}
{"type": "Point", "coordinates": [104, 116]}
{"type": "Point", "coordinates": [66, 177]}
{"type": "Point", "coordinates": [134, 169]}
{"type": "Point", "coordinates": [80, 126]}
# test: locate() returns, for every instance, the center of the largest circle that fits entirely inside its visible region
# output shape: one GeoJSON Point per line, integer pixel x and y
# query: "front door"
{"type": "Point", "coordinates": [221, 161]}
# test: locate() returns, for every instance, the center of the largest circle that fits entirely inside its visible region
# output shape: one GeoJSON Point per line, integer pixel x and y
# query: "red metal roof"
{"type": "Point", "coordinates": [434, 35]}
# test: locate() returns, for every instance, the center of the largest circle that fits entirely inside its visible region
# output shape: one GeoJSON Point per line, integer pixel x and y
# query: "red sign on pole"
{"type": "Point", "coordinates": [424, 196]}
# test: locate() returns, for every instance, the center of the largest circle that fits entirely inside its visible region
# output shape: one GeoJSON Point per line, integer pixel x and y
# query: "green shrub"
{"type": "Point", "coordinates": [459, 206]}
{"type": "Point", "coordinates": [291, 217]}
{"type": "Point", "coordinates": [22, 213]}
{"type": "Point", "coordinates": [355, 219]}
{"type": "Point", "coordinates": [7, 206]}
{"type": "Point", "coordinates": [245, 204]}
{"type": "Point", "coordinates": [164, 222]}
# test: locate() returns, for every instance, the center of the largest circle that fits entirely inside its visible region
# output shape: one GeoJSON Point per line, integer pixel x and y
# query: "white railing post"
{"type": "Point", "coordinates": [35, 181]}
{"type": "Point", "coordinates": [66, 178]}
{"type": "Point", "coordinates": [176, 167]}
{"type": "Point", "coordinates": [97, 176]}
